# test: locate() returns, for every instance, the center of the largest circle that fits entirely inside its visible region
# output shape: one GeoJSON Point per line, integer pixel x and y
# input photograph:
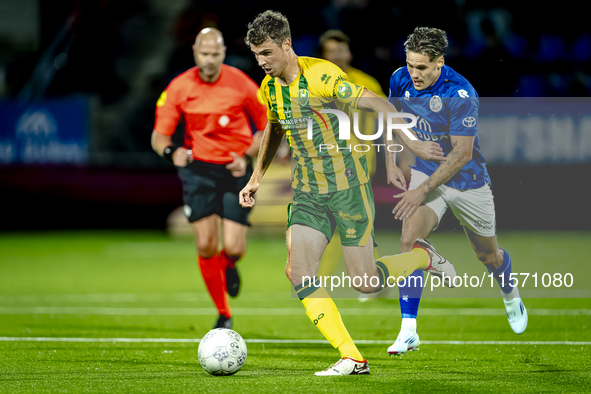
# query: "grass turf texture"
{"type": "Point", "coordinates": [144, 285]}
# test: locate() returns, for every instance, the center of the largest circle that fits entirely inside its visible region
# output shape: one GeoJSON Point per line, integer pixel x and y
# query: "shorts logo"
{"type": "Point", "coordinates": [470, 121]}
{"type": "Point", "coordinates": [303, 97]}
{"type": "Point", "coordinates": [349, 173]}
{"type": "Point", "coordinates": [344, 90]}
{"type": "Point", "coordinates": [351, 233]}
{"type": "Point", "coordinates": [435, 104]}
{"type": "Point", "coordinates": [346, 216]}
{"type": "Point", "coordinates": [162, 100]}
{"type": "Point", "coordinates": [224, 120]}
{"type": "Point", "coordinates": [484, 224]}
{"type": "Point", "coordinates": [187, 209]}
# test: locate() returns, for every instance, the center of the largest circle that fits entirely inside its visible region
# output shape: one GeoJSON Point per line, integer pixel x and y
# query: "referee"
{"type": "Point", "coordinates": [217, 102]}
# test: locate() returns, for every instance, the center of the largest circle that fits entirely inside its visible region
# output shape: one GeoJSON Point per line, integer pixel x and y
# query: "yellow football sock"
{"type": "Point", "coordinates": [404, 264]}
{"type": "Point", "coordinates": [323, 312]}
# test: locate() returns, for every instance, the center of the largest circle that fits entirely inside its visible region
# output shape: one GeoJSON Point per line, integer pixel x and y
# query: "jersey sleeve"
{"type": "Point", "coordinates": [463, 113]}
{"type": "Point", "coordinates": [394, 92]}
{"type": "Point", "coordinates": [346, 92]}
{"type": "Point", "coordinates": [253, 104]}
{"type": "Point", "coordinates": [167, 111]}
{"type": "Point", "coordinates": [265, 99]}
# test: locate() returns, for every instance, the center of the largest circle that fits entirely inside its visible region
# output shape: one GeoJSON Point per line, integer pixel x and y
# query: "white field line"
{"type": "Point", "coordinates": [283, 341]}
{"type": "Point", "coordinates": [82, 310]}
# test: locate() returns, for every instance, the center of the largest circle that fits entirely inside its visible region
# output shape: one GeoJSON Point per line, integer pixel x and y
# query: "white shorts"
{"type": "Point", "coordinates": [474, 208]}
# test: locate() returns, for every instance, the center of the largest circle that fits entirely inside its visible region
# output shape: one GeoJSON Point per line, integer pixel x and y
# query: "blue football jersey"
{"type": "Point", "coordinates": [448, 107]}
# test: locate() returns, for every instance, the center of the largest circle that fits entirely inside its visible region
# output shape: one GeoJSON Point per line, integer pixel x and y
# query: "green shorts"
{"type": "Point", "coordinates": [352, 211]}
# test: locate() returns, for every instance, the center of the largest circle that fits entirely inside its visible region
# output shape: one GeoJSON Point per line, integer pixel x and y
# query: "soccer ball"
{"type": "Point", "coordinates": [222, 352]}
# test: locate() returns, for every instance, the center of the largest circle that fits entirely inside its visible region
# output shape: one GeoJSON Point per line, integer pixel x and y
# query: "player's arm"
{"type": "Point", "coordinates": [162, 145]}
{"type": "Point", "coordinates": [270, 143]}
{"type": "Point", "coordinates": [460, 155]}
{"type": "Point", "coordinates": [426, 150]}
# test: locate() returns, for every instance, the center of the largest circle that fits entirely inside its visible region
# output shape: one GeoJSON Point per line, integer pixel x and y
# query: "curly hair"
{"type": "Point", "coordinates": [269, 25]}
{"type": "Point", "coordinates": [427, 41]}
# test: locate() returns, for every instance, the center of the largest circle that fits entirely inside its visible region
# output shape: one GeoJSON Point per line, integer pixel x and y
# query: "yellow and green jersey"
{"type": "Point", "coordinates": [319, 85]}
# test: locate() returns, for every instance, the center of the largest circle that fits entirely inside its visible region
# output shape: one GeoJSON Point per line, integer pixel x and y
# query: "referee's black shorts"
{"type": "Point", "coordinates": [210, 189]}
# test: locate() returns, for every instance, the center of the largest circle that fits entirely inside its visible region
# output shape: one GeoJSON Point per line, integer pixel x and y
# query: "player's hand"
{"type": "Point", "coordinates": [238, 166]}
{"type": "Point", "coordinates": [245, 197]}
{"type": "Point", "coordinates": [182, 156]}
{"type": "Point", "coordinates": [411, 200]}
{"type": "Point", "coordinates": [395, 176]}
{"type": "Point", "coordinates": [427, 150]}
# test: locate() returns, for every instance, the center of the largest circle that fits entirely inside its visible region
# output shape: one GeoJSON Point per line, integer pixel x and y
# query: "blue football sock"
{"type": "Point", "coordinates": [503, 273]}
{"type": "Point", "coordinates": [410, 295]}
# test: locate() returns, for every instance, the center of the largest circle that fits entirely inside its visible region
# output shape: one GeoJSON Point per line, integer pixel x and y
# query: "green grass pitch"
{"type": "Point", "coordinates": [121, 312]}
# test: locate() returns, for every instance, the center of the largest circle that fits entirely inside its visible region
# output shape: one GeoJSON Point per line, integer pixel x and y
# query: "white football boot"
{"type": "Point", "coordinates": [346, 366]}
{"type": "Point", "coordinates": [438, 265]}
{"type": "Point", "coordinates": [407, 340]}
{"type": "Point", "coordinates": [516, 312]}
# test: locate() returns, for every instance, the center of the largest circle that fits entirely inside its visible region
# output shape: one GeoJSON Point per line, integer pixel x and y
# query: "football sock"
{"type": "Point", "coordinates": [409, 323]}
{"type": "Point", "coordinates": [214, 277]}
{"type": "Point", "coordinates": [502, 274]}
{"type": "Point", "coordinates": [227, 261]}
{"type": "Point", "coordinates": [410, 295]}
{"type": "Point", "coordinates": [402, 265]}
{"type": "Point", "coordinates": [323, 312]}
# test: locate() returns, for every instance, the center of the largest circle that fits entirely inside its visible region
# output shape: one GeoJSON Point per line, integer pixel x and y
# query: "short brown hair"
{"type": "Point", "coordinates": [269, 25]}
{"type": "Point", "coordinates": [427, 41]}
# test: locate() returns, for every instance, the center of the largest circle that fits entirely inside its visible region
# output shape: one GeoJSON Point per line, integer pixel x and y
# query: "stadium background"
{"type": "Point", "coordinates": [79, 79]}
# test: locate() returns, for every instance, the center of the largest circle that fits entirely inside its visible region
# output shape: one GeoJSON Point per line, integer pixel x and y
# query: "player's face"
{"type": "Point", "coordinates": [338, 53]}
{"type": "Point", "coordinates": [272, 57]}
{"type": "Point", "coordinates": [423, 71]}
{"type": "Point", "coordinates": [209, 54]}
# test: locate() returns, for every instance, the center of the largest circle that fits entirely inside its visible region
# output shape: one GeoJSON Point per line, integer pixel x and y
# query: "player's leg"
{"type": "Point", "coordinates": [498, 262]}
{"type": "Point", "coordinates": [331, 257]}
{"type": "Point", "coordinates": [202, 208]}
{"type": "Point", "coordinates": [419, 225]}
{"type": "Point", "coordinates": [305, 246]}
{"type": "Point", "coordinates": [476, 211]}
{"type": "Point", "coordinates": [234, 248]}
{"type": "Point", "coordinates": [206, 235]}
{"type": "Point", "coordinates": [235, 227]}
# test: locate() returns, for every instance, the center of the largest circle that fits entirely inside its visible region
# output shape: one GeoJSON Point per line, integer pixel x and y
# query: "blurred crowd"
{"type": "Point", "coordinates": [506, 49]}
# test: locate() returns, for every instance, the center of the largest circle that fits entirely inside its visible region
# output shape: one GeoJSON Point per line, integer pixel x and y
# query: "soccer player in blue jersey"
{"type": "Point", "coordinates": [446, 106]}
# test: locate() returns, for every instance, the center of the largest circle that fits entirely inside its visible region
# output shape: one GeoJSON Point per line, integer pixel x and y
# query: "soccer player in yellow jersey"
{"type": "Point", "coordinates": [334, 47]}
{"type": "Point", "coordinates": [331, 186]}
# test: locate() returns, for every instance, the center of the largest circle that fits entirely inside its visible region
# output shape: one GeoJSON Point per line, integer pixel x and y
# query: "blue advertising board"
{"type": "Point", "coordinates": [46, 132]}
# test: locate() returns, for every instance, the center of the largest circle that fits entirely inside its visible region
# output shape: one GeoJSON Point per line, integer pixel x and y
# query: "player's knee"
{"type": "Point", "coordinates": [366, 288]}
{"type": "Point", "coordinates": [407, 240]}
{"type": "Point", "coordinates": [235, 251]}
{"type": "Point", "coordinates": [207, 247]}
{"type": "Point", "coordinates": [288, 270]}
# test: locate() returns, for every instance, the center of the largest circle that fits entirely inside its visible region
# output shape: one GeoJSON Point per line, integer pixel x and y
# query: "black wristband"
{"type": "Point", "coordinates": [168, 152]}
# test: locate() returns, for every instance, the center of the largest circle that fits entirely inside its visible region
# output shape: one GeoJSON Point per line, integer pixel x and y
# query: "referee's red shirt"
{"type": "Point", "coordinates": [216, 114]}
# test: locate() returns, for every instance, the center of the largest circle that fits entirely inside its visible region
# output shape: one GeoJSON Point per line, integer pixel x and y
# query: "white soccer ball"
{"type": "Point", "coordinates": [222, 352]}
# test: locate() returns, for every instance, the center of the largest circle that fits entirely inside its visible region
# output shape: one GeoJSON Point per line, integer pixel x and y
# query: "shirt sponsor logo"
{"type": "Point", "coordinates": [435, 104]}
{"type": "Point", "coordinates": [406, 95]}
{"type": "Point", "coordinates": [470, 121]}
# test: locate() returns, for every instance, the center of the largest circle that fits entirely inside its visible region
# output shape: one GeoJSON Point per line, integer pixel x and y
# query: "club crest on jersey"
{"type": "Point", "coordinates": [344, 90]}
{"type": "Point", "coordinates": [435, 104]}
{"type": "Point", "coordinates": [303, 97]}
